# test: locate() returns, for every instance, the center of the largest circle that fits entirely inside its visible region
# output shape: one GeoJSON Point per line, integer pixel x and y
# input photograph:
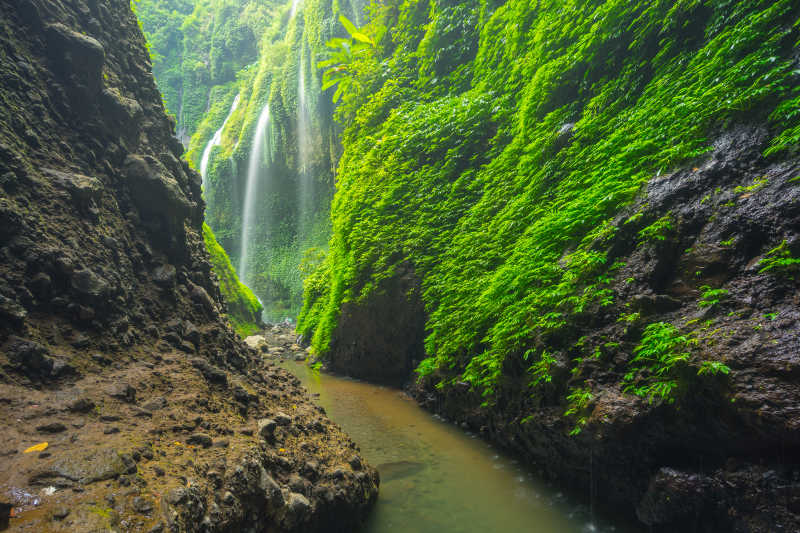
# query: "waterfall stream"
{"type": "Point", "coordinates": [257, 151]}
{"type": "Point", "coordinates": [304, 186]}
{"type": "Point", "coordinates": [215, 141]}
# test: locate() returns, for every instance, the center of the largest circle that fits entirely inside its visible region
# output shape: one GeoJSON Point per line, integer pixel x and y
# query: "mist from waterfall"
{"type": "Point", "coordinates": [257, 151]}
{"type": "Point", "coordinates": [215, 140]}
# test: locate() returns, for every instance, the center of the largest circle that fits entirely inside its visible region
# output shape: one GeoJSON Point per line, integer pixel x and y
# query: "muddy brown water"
{"type": "Point", "coordinates": [436, 478]}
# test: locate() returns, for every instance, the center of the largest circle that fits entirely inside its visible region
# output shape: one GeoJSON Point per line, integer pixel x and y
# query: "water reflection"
{"type": "Point", "coordinates": [434, 477]}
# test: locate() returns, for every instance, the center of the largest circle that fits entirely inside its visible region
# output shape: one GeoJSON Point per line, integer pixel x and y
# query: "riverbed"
{"type": "Point", "coordinates": [435, 477]}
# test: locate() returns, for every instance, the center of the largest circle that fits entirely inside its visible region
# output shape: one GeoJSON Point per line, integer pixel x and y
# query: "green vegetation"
{"type": "Point", "coordinates": [780, 261]}
{"type": "Point", "coordinates": [578, 400]}
{"type": "Point", "coordinates": [757, 184]}
{"type": "Point", "coordinates": [711, 297]}
{"type": "Point", "coordinates": [197, 46]}
{"type": "Point", "coordinates": [657, 361]}
{"type": "Point", "coordinates": [244, 309]}
{"type": "Point", "coordinates": [491, 146]}
{"type": "Point", "coordinates": [657, 231]}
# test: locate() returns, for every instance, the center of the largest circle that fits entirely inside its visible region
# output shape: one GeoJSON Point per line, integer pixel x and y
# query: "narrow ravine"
{"type": "Point", "coordinates": [436, 478]}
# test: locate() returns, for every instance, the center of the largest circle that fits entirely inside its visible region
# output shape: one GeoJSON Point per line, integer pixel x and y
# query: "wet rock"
{"type": "Point", "coordinates": [164, 276]}
{"type": "Point", "coordinates": [60, 512]}
{"type": "Point", "coordinates": [310, 470]}
{"type": "Point", "coordinates": [52, 427]}
{"type": "Point", "coordinates": [651, 304]}
{"type": "Point", "coordinates": [31, 356]}
{"type": "Point", "coordinates": [12, 311]}
{"type": "Point", "coordinates": [83, 189]}
{"type": "Point", "coordinates": [76, 466]}
{"type": "Point", "coordinates": [355, 462]}
{"type": "Point", "coordinates": [266, 428]}
{"type": "Point", "coordinates": [123, 109]}
{"type": "Point", "coordinates": [142, 505]}
{"type": "Point", "coordinates": [155, 404]}
{"type": "Point", "coordinates": [87, 282]}
{"type": "Point", "coordinates": [122, 391]}
{"type": "Point", "coordinates": [191, 333]}
{"type": "Point", "coordinates": [200, 439]}
{"type": "Point", "coordinates": [210, 372]}
{"type": "Point", "coordinates": [81, 405]}
{"type": "Point", "coordinates": [76, 56]}
{"type": "Point", "coordinates": [156, 194]}
{"type": "Point", "coordinates": [674, 496]}
{"type": "Point", "coordinates": [283, 419]}
{"type": "Point", "coordinates": [297, 484]}
{"type": "Point", "coordinates": [40, 285]}
{"type": "Point", "coordinates": [199, 295]}
{"type": "Point", "coordinates": [297, 509]}
{"type": "Point", "coordinates": [101, 359]}
{"type": "Point", "coordinates": [363, 346]}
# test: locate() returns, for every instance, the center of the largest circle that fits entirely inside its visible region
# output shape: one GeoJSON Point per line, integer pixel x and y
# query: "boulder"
{"type": "Point", "coordinates": [78, 57]}
{"type": "Point", "coordinates": [156, 193]}
{"type": "Point", "coordinates": [254, 341]}
{"type": "Point", "coordinates": [123, 109]}
{"type": "Point", "coordinates": [266, 428]}
{"type": "Point", "coordinates": [88, 283]}
{"type": "Point", "coordinates": [83, 189]}
{"type": "Point", "coordinates": [75, 466]}
{"type": "Point", "coordinates": [164, 276]}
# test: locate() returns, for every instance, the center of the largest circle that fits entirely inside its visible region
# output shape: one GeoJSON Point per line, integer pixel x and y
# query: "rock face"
{"type": "Point", "coordinates": [723, 457]}
{"type": "Point", "coordinates": [112, 347]}
{"type": "Point", "coordinates": [381, 338]}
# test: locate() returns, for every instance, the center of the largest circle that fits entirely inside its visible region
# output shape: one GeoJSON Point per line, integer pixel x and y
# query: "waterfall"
{"type": "Point", "coordinates": [295, 4]}
{"type": "Point", "coordinates": [215, 141]}
{"type": "Point", "coordinates": [305, 186]}
{"type": "Point", "coordinates": [257, 151]}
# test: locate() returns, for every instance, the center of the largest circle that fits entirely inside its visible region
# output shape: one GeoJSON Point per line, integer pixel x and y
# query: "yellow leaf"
{"type": "Point", "coordinates": [281, 450]}
{"type": "Point", "coordinates": [37, 447]}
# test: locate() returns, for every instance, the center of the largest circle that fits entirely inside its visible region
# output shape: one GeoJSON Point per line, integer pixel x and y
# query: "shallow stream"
{"type": "Point", "coordinates": [436, 478]}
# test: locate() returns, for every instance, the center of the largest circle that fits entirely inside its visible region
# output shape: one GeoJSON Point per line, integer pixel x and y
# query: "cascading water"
{"type": "Point", "coordinates": [215, 141]}
{"type": "Point", "coordinates": [257, 151]}
{"type": "Point", "coordinates": [305, 186]}
{"type": "Point", "coordinates": [295, 4]}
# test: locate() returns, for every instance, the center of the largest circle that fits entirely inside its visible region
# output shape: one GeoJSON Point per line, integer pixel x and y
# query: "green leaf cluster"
{"type": "Point", "coordinates": [780, 261]}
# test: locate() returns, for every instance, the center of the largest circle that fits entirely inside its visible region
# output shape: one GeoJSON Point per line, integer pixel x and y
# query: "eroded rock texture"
{"type": "Point", "coordinates": [112, 345]}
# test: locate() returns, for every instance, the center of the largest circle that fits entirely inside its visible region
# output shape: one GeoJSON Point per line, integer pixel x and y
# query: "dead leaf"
{"type": "Point", "coordinates": [37, 447]}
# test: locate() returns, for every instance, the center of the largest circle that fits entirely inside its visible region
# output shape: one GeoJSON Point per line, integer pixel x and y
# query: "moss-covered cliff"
{"type": "Point", "coordinates": [243, 308]}
{"type": "Point", "coordinates": [589, 212]}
